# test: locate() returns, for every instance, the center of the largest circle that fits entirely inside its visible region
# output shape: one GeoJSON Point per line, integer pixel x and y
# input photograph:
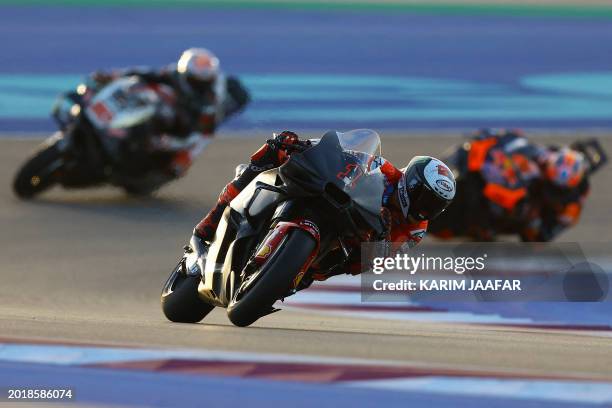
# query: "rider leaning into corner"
{"type": "Point", "coordinates": [412, 196]}
{"type": "Point", "coordinates": [204, 97]}
{"type": "Point", "coordinates": [509, 183]}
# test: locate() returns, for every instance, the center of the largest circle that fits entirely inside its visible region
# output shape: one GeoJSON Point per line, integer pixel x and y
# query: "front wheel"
{"type": "Point", "coordinates": [180, 300]}
{"type": "Point", "coordinates": [274, 280]}
{"type": "Point", "coordinates": [37, 174]}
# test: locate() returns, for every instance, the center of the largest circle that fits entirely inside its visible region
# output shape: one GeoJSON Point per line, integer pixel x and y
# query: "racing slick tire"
{"type": "Point", "coordinates": [36, 175]}
{"type": "Point", "coordinates": [180, 300]}
{"type": "Point", "coordinates": [274, 280]}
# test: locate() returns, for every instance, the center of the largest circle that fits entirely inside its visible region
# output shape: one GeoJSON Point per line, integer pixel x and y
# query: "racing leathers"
{"type": "Point", "coordinates": [183, 133]}
{"type": "Point", "coordinates": [398, 231]}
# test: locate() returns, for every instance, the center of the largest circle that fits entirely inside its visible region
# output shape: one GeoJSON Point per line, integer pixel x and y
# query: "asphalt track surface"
{"type": "Point", "coordinates": [87, 267]}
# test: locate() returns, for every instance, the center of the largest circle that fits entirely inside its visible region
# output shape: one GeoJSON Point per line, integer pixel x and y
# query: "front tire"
{"type": "Point", "coordinates": [36, 175]}
{"type": "Point", "coordinates": [180, 300]}
{"type": "Point", "coordinates": [275, 279]}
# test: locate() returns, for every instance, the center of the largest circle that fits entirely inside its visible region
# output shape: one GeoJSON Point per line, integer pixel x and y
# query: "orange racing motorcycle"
{"type": "Point", "coordinates": [287, 222]}
{"type": "Point", "coordinates": [483, 209]}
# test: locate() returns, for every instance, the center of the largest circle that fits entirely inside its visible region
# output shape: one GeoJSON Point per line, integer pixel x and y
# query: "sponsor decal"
{"type": "Point", "coordinates": [314, 230]}
{"type": "Point", "coordinates": [312, 227]}
{"type": "Point", "coordinates": [440, 179]}
{"type": "Point", "coordinates": [444, 185]}
{"type": "Point", "coordinates": [443, 170]}
{"type": "Point", "coordinates": [264, 252]}
{"type": "Point", "coordinates": [258, 169]}
{"type": "Point", "coordinates": [402, 196]}
{"type": "Point", "coordinates": [401, 192]}
{"type": "Point", "coordinates": [298, 278]}
{"type": "Point", "coordinates": [102, 112]}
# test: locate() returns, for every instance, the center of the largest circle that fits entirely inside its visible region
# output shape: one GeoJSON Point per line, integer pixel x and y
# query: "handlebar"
{"type": "Point", "coordinates": [299, 146]}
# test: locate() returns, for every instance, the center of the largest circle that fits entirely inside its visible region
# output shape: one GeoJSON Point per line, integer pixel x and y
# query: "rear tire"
{"type": "Point", "coordinates": [180, 300]}
{"type": "Point", "coordinates": [34, 176]}
{"type": "Point", "coordinates": [276, 278]}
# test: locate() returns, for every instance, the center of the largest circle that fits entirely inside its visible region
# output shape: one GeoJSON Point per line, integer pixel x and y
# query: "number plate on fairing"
{"type": "Point", "coordinates": [124, 103]}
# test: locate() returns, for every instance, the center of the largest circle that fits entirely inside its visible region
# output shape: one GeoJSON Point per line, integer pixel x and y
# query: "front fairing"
{"type": "Point", "coordinates": [124, 103]}
{"type": "Point", "coordinates": [337, 164]}
{"type": "Point", "coordinates": [64, 109]}
{"type": "Point", "coordinates": [122, 116]}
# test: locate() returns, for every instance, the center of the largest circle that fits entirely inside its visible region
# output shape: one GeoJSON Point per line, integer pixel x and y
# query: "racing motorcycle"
{"type": "Point", "coordinates": [459, 219]}
{"type": "Point", "coordinates": [103, 137]}
{"type": "Point", "coordinates": [286, 223]}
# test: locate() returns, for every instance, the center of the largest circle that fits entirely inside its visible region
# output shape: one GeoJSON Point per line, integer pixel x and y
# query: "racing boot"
{"type": "Point", "coordinates": [268, 156]}
{"type": "Point", "coordinates": [206, 228]}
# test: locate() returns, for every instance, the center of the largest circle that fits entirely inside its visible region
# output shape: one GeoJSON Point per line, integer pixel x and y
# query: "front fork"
{"type": "Point", "coordinates": [274, 240]}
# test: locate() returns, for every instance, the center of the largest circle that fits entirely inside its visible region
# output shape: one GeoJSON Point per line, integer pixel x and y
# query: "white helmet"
{"type": "Point", "coordinates": [426, 188]}
{"type": "Point", "coordinates": [198, 66]}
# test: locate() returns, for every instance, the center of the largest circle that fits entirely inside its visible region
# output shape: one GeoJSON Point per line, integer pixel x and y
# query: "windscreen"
{"type": "Point", "coordinates": [363, 144]}
{"type": "Point", "coordinates": [360, 147]}
{"type": "Point", "coordinates": [344, 160]}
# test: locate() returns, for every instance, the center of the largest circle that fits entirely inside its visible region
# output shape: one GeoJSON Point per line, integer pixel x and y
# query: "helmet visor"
{"type": "Point", "coordinates": [425, 204]}
{"type": "Point", "coordinates": [199, 85]}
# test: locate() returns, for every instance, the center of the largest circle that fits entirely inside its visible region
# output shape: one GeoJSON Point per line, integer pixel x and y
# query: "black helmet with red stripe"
{"type": "Point", "coordinates": [426, 188]}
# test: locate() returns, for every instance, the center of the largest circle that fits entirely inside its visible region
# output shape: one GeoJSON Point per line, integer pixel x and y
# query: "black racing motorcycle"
{"type": "Point", "coordinates": [285, 224]}
{"type": "Point", "coordinates": [103, 138]}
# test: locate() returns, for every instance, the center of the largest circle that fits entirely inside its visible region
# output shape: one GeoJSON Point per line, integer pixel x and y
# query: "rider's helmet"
{"type": "Point", "coordinates": [565, 167]}
{"type": "Point", "coordinates": [198, 69]}
{"type": "Point", "coordinates": [426, 188]}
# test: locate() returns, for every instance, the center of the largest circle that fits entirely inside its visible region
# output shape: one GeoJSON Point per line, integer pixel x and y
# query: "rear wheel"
{"type": "Point", "coordinates": [274, 279]}
{"type": "Point", "coordinates": [36, 175]}
{"type": "Point", "coordinates": [180, 300]}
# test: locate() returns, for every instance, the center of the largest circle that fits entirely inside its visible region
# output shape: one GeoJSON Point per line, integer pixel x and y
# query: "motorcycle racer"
{"type": "Point", "coordinates": [511, 185]}
{"type": "Point", "coordinates": [412, 196]}
{"type": "Point", "coordinates": [204, 97]}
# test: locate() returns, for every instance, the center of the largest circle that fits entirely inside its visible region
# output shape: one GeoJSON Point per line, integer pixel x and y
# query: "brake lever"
{"type": "Point", "coordinates": [300, 146]}
{"type": "Point", "coordinates": [296, 147]}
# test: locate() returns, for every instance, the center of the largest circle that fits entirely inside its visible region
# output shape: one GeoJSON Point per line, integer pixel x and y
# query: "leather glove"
{"type": "Point", "coordinates": [278, 145]}
{"type": "Point", "coordinates": [287, 137]}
